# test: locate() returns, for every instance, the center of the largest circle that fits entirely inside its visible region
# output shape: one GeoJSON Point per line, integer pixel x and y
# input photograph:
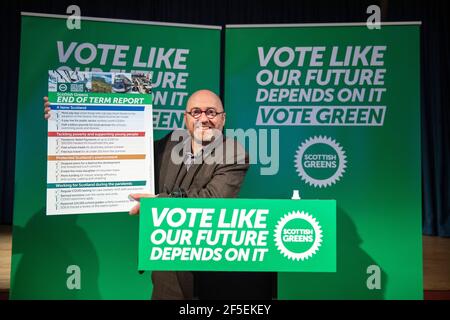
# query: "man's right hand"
{"type": "Point", "coordinates": [137, 196]}
{"type": "Point", "coordinates": [46, 108]}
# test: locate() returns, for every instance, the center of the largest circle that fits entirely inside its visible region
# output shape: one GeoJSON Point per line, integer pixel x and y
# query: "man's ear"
{"type": "Point", "coordinates": [224, 118]}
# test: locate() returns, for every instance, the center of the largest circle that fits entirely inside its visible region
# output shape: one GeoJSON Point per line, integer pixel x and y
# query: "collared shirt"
{"type": "Point", "coordinates": [191, 158]}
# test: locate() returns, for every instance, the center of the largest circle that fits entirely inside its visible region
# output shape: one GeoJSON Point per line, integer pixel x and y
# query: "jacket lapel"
{"type": "Point", "coordinates": [190, 175]}
{"type": "Point", "coordinates": [169, 171]}
{"type": "Point", "coordinates": [196, 168]}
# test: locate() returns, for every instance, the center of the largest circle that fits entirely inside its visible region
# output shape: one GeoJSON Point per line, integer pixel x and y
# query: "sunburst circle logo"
{"type": "Point", "coordinates": [298, 235]}
{"type": "Point", "coordinates": [320, 161]}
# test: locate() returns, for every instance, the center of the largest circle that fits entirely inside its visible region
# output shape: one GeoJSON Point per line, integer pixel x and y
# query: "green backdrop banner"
{"type": "Point", "coordinates": [344, 102]}
{"type": "Point", "coordinates": [95, 256]}
{"type": "Point", "coordinates": [237, 235]}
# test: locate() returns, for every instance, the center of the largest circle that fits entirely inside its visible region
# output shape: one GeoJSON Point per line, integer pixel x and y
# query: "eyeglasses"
{"type": "Point", "coordinates": [210, 113]}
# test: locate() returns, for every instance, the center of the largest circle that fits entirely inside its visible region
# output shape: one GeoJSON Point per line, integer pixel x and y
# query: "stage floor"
{"type": "Point", "coordinates": [436, 265]}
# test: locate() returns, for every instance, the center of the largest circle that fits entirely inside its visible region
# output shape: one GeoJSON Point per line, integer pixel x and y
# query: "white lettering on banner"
{"type": "Point", "coordinates": [285, 56]}
{"type": "Point", "coordinates": [166, 67]}
{"type": "Point", "coordinates": [171, 237]}
{"type": "Point", "coordinates": [155, 58]}
{"type": "Point", "coordinates": [186, 234]}
{"type": "Point", "coordinates": [353, 76]}
{"type": "Point", "coordinates": [313, 56]}
{"type": "Point", "coordinates": [119, 54]}
{"type": "Point", "coordinates": [335, 77]}
{"type": "Point", "coordinates": [236, 238]}
{"type": "Point", "coordinates": [321, 115]}
{"type": "Point", "coordinates": [186, 254]}
{"type": "Point", "coordinates": [239, 218]}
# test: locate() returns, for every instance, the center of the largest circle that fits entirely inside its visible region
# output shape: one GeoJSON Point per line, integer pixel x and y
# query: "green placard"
{"type": "Point", "coordinates": [237, 235]}
{"type": "Point", "coordinates": [95, 256]}
{"type": "Point", "coordinates": [346, 103]}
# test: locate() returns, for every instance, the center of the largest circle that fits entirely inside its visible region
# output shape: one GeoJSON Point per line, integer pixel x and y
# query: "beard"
{"type": "Point", "coordinates": [204, 135]}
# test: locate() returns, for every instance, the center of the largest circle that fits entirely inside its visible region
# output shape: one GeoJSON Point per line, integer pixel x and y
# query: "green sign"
{"type": "Point", "coordinates": [93, 256]}
{"type": "Point", "coordinates": [345, 103]}
{"type": "Point", "coordinates": [237, 235]}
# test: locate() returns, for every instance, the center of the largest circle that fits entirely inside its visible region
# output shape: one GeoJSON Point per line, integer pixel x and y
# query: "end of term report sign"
{"type": "Point", "coordinates": [100, 141]}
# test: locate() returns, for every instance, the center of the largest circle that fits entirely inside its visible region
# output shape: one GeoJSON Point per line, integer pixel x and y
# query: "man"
{"type": "Point", "coordinates": [211, 167]}
{"type": "Point", "coordinates": [196, 176]}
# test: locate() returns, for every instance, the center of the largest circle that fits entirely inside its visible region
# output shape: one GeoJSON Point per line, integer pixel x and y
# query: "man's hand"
{"type": "Point", "coordinates": [137, 196]}
{"type": "Point", "coordinates": [46, 108]}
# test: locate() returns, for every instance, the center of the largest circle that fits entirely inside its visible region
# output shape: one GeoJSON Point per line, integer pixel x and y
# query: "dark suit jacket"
{"type": "Point", "coordinates": [219, 176]}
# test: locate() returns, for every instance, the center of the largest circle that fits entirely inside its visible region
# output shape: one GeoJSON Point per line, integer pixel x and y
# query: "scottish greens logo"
{"type": "Point", "coordinates": [320, 161]}
{"type": "Point", "coordinates": [62, 87]}
{"type": "Point", "coordinates": [298, 235]}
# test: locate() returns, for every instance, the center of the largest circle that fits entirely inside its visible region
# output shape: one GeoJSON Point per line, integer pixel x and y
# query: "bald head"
{"type": "Point", "coordinates": [204, 97]}
{"type": "Point", "coordinates": [211, 118]}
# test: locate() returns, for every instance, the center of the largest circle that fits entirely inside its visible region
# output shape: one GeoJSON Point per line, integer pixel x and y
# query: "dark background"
{"type": "Point", "coordinates": [435, 68]}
